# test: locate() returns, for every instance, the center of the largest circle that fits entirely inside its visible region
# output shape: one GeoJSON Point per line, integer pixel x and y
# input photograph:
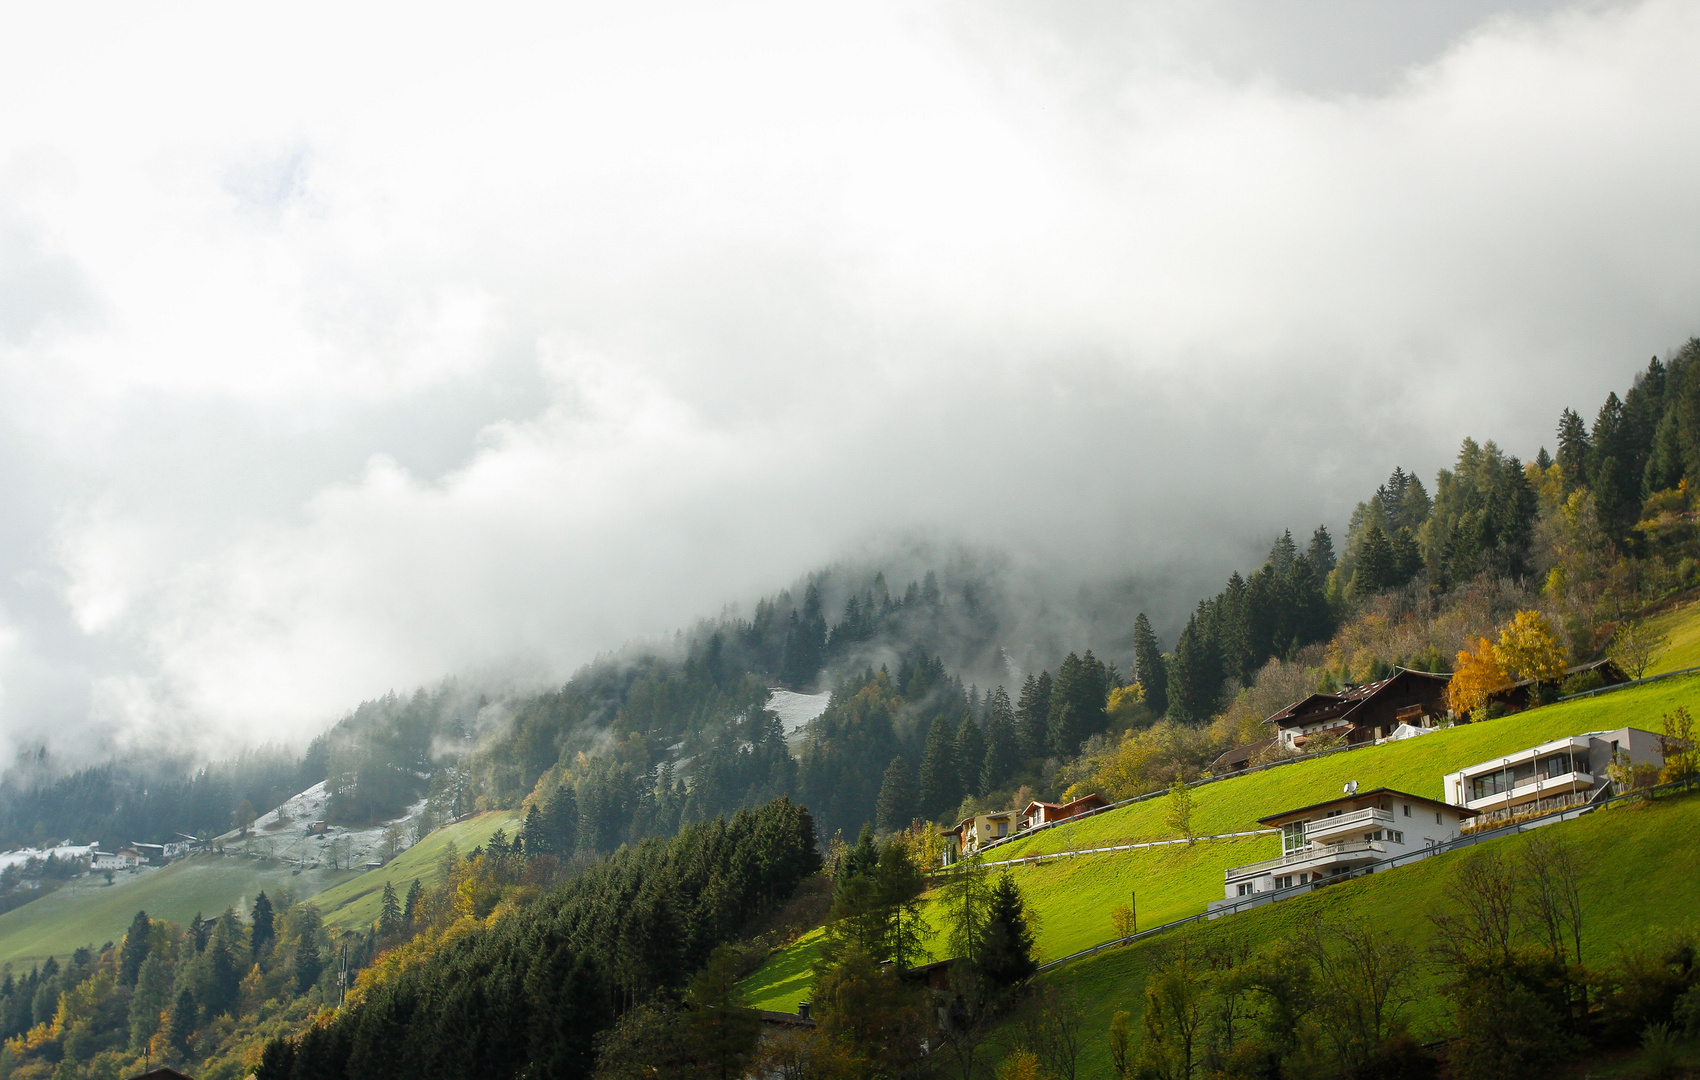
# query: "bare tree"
{"type": "Point", "coordinates": [1050, 1028]}
{"type": "Point", "coordinates": [1485, 891]}
{"type": "Point", "coordinates": [1634, 645]}
{"type": "Point", "coordinates": [1551, 900]}
{"type": "Point", "coordinates": [1364, 979]}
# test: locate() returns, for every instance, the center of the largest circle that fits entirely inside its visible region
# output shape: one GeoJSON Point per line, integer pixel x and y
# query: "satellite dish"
{"type": "Point", "coordinates": [1351, 787]}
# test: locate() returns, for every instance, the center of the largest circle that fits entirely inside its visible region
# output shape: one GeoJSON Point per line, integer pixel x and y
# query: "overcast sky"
{"type": "Point", "coordinates": [345, 347]}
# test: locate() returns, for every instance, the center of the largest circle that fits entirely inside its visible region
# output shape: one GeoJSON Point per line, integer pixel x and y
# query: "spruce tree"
{"type": "Point", "coordinates": [1374, 570]}
{"type": "Point", "coordinates": [562, 821]}
{"type": "Point", "coordinates": [1002, 756]}
{"type": "Point", "coordinates": [1033, 715]}
{"type": "Point", "coordinates": [410, 908]}
{"type": "Point", "coordinates": [1006, 954]}
{"type": "Point", "coordinates": [135, 948]}
{"type": "Point", "coordinates": [896, 807]}
{"type": "Point", "coordinates": [1573, 449]}
{"type": "Point", "coordinates": [970, 754]}
{"type": "Point", "coordinates": [182, 1029]}
{"type": "Point", "coordinates": [1148, 666]}
{"type": "Point", "coordinates": [389, 915]}
{"type": "Point", "coordinates": [939, 791]}
{"type": "Point", "coordinates": [1195, 673]}
{"type": "Point", "coordinates": [1321, 555]}
{"type": "Point", "coordinates": [533, 837]}
{"type": "Point", "coordinates": [261, 919]}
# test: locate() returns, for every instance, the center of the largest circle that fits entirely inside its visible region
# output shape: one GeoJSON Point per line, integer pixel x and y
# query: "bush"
{"type": "Point", "coordinates": [1583, 682]}
{"type": "Point", "coordinates": [1658, 1052]}
{"type": "Point", "coordinates": [1686, 1013]}
{"type": "Point", "coordinates": [1400, 1058]}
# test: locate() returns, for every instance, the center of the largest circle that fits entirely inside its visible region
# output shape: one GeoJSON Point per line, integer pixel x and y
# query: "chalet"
{"type": "Point", "coordinates": [152, 854]}
{"type": "Point", "coordinates": [1516, 696]}
{"type": "Point", "coordinates": [1551, 776]}
{"type": "Point", "coordinates": [976, 832]}
{"type": "Point", "coordinates": [122, 859]}
{"type": "Point", "coordinates": [1367, 713]}
{"type": "Point", "coordinates": [1242, 757]}
{"type": "Point", "coordinates": [317, 828]}
{"type": "Point", "coordinates": [1038, 813]}
{"type": "Point", "coordinates": [1328, 839]}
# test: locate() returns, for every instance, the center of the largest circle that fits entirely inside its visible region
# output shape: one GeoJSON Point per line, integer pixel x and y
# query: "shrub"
{"type": "Point", "coordinates": [1583, 682]}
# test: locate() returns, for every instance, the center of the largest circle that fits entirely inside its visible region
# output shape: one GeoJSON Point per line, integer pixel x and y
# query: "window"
{"type": "Point", "coordinates": [1437, 817]}
{"type": "Point", "coordinates": [1245, 888]}
{"type": "Point", "coordinates": [1293, 837]}
{"type": "Point", "coordinates": [1395, 835]}
{"type": "Point", "coordinates": [1285, 882]}
{"type": "Point", "coordinates": [1003, 828]}
{"type": "Point", "coordinates": [1407, 809]}
{"type": "Point", "coordinates": [1304, 879]}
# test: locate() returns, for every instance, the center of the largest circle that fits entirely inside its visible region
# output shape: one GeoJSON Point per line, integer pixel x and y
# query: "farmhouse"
{"type": "Point", "coordinates": [122, 859]}
{"type": "Point", "coordinates": [1045, 813]}
{"type": "Point", "coordinates": [1367, 713]}
{"type": "Point", "coordinates": [1550, 776]}
{"type": "Point", "coordinates": [976, 832]}
{"type": "Point", "coordinates": [1345, 834]}
{"type": "Point", "coordinates": [1516, 696]}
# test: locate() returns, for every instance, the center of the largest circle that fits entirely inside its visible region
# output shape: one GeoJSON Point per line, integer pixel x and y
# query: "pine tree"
{"type": "Point", "coordinates": [389, 915]}
{"type": "Point", "coordinates": [1148, 666]}
{"type": "Point", "coordinates": [1573, 449]}
{"type": "Point", "coordinates": [1374, 562]}
{"type": "Point", "coordinates": [135, 948]}
{"type": "Point", "coordinates": [1003, 758]}
{"type": "Point", "coordinates": [1195, 673]}
{"type": "Point", "coordinates": [1006, 955]}
{"type": "Point", "coordinates": [261, 929]}
{"type": "Point", "coordinates": [940, 791]}
{"type": "Point", "coordinates": [561, 816]}
{"type": "Point", "coordinates": [182, 1029]}
{"type": "Point", "coordinates": [1321, 555]}
{"type": "Point", "coordinates": [970, 754]}
{"type": "Point", "coordinates": [1033, 715]}
{"type": "Point", "coordinates": [410, 908]}
{"type": "Point", "coordinates": [896, 807]}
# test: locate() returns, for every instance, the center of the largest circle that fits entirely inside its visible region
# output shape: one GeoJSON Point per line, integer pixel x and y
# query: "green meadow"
{"type": "Point", "coordinates": [1074, 897]}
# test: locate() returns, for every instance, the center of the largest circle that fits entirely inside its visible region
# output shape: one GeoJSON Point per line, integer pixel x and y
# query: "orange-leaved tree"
{"type": "Point", "coordinates": [1476, 674]}
{"type": "Point", "coordinates": [1529, 648]}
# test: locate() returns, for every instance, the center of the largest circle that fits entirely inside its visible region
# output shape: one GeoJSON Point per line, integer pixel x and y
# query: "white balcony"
{"type": "Point", "coordinates": [1544, 787]}
{"type": "Point", "coordinates": [1313, 858]}
{"type": "Point", "coordinates": [1348, 826]}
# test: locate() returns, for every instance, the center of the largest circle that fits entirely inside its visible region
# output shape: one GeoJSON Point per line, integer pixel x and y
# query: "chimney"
{"type": "Point", "coordinates": [802, 1010]}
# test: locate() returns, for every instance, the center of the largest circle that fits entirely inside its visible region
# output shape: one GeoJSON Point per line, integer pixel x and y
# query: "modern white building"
{"type": "Point", "coordinates": [1342, 835]}
{"type": "Point", "coordinates": [122, 859]}
{"type": "Point", "coordinates": [1550, 776]}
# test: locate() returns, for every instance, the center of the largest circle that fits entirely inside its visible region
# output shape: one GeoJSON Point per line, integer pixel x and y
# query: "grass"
{"type": "Point", "coordinates": [1641, 869]}
{"type": "Point", "coordinates": [90, 912]}
{"type": "Point", "coordinates": [355, 903]}
{"type": "Point", "coordinates": [1075, 897]}
{"type": "Point", "coordinates": [1681, 625]}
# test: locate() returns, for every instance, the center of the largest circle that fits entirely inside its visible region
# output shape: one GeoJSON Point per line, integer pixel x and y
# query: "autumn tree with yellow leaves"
{"type": "Point", "coordinates": [1476, 674]}
{"type": "Point", "coordinates": [1527, 649]}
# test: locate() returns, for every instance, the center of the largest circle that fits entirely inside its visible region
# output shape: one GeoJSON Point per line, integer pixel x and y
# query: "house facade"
{"type": "Point", "coordinates": [1341, 835]}
{"type": "Point", "coordinates": [1038, 813]}
{"type": "Point", "coordinates": [1551, 776]}
{"type": "Point", "coordinates": [1368, 713]}
{"type": "Point", "coordinates": [974, 833]}
{"type": "Point", "coordinates": [122, 859]}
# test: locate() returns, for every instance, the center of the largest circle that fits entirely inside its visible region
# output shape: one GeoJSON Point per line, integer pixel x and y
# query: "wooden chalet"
{"type": "Point", "coordinates": [1516, 696]}
{"type": "Point", "coordinates": [1242, 757]}
{"type": "Point", "coordinates": [1364, 713]}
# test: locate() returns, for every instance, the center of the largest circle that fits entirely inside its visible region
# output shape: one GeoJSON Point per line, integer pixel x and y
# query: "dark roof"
{"type": "Point", "coordinates": [1342, 703]}
{"type": "Point", "coordinates": [1245, 753]}
{"type": "Point", "coordinates": [162, 1074]}
{"type": "Point", "coordinates": [790, 1019]}
{"type": "Point", "coordinates": [1364, 795]}
{"type": "Point", "coordinates": [1607, 667]}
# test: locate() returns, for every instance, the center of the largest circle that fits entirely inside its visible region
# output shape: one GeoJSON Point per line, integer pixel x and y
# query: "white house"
{"type": "Point", "coordinates": [122, 859]}
{"type": "Point", "coordinates": [1550, 776]}
{"type": "Point", "coordinates": [1345, 834]}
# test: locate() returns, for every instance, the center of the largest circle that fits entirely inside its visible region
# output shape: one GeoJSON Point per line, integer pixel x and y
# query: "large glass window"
{"type": "Point", "coordinates": [1293, 837]}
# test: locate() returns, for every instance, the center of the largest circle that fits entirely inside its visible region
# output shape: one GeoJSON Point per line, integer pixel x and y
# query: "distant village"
{"type": "Point", "coordinates": [1377, 828]}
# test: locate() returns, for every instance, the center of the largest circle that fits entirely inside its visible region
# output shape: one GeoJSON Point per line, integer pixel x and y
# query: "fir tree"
{"type": "Point", "coordinates": [410, 909]}
{"type": "Point", "coordinates": [970, 754]}
{"type": "Point", "coordinates": [135, 948]}
{"type": "Point", "coordinates": [389, 915]}
{"type": "Point", "coordinates": [1573, 449]}
{"type": "Point", "coordinates": [180, 1034]}
{"type": "Point", "coordinates": [896, 807]}
{"type": "Point", "coordinates": [1195, 673]}
{"type": "Point", "coordinates": [1003, 758]}
{"type": "Point", "coordinates": [1374, 562]}
{"type": "Point", "coordinates": [261, 929]}
{"type": "Point", "coordinates": [939, 790]}
{"type": "Point", "coordinates": [1148, 666]}
{"type": "Point", "coordinates": [533, 837]}
{"type": "Point", "coordinates": [1006, 955]}
{"type": "Point", "coordinates": [1033, 715]}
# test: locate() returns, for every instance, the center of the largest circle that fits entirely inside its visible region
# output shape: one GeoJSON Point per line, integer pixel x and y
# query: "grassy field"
{"type": "Point", "coordinates": [89, 911]}
{"type": "Point", "coordinates": [1075, 897]}
{"type": "Point", "coordinates": [1644, 871]}
{"type": "Point", "coordinates": [355, 903]}
{"type": "Point", "coordinates": [1681, 625]}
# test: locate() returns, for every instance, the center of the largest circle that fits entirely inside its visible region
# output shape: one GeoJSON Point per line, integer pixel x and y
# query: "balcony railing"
{"type": "Point", "coordinates": [1542, 785]}
{"type": "Point", "coordinates": [1368, 819]}
{"type": "Point", "coordinates": [1316, 854]}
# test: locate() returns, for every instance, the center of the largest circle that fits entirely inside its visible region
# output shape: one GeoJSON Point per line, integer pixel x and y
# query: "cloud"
{"type": "Point", "coordinates": [355, 350]}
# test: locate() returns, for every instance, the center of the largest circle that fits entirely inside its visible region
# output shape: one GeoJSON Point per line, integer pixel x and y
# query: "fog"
{"type": "Point", "coordinates": [348, 349]}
